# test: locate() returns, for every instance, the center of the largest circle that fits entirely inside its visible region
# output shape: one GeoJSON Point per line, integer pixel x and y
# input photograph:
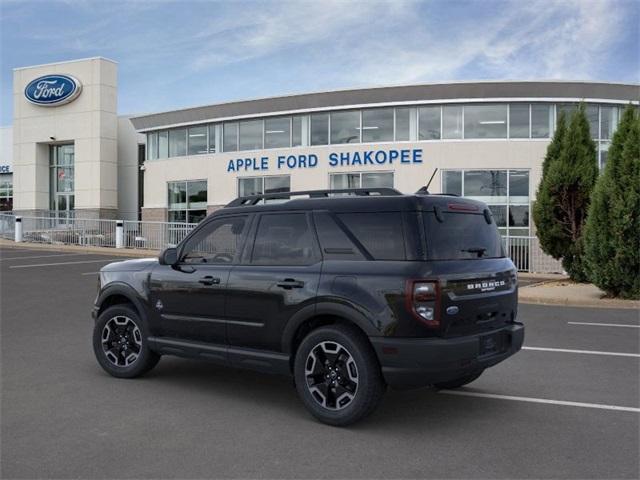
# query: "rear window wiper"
{"type": "Point", "coordinates": [479, 250]}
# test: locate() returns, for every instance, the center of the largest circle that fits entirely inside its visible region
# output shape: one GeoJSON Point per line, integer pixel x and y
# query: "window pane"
{"type": "Point", "coordinates": [459, 235]}
{"type": "Point", "coordinates": [345, 127]}
{"type": "Point", "coordinates": [178, 142]}
{"type": "Point", "coordinates": [377, 125]}
{"type": "Point", "coordinates": [604, 152]}
{"type": "Point", "coordinates": [568, 109]}
{"type": "Point", "coordinates": [163, 144]}
{"type": "Point", "coordinates": [403, 124]}
{"type": "Point", "coordinates": [196, 216]}
{"type": "Point", "coordinates": [377, 180]}
{"type": "Point", "coordinates": [212, 138]}
{"type": "Point", "coordinates": [277, 132]}
{"type": "Point", "coordinates": [217, 243]}
{"type": "Point", "coordinates": [518, 186]}
{"type": "Point", "coordinates": [452, 182]}
{"type": "Point", "coordinates": [499, 213]}
{"type": "Point", "coordinates": [230, 137]}
{"type": "Point", "coordinates": [320, 129]}
{"type": "Point", "coordinates": [177, 195]}
{"type": "Point", "coordinates": [452, 121]}
{"type": "Point", "coordinates": [519, 216]}
{"type": "Point", "coordinates": [608, 122]}
{"type": "Point", "coordinates": [339, 181]}
{"type": "Point", "coordinates": [284, 239]}
{"type": "Point", "coordinates": [197, 140]}
{"type": "Point", "coordinates": [592, 117]}
{"type": "Point", "coordinates": [485, 121]}
{"type": "Point", "coordinates": [429, 123]}
{"type": "Point", "coordinates": [489, 185]}
{"type": "Point", "coordinates": [64, 179]}
{"type": "Point", "coordinates": [178, 216]}
{"type": "Point", "coordinates": [251, 135]}
{"type": "Point", "coordinates": [519, 120]}
{"type": "Point", "coordinates": [277, 184]}
{"type": "Point", "coordinates": [152, 146]}
{"type": "Point", "coordinates": [296, 131]}
{"type": "Point", "coordinates": [380, 233]}
{"type": "Point", "coordinates": [197, 194]}
{"type": "Point", "coordinates": [541, 120]}
{"type": "Point", "coordinates": [249, 186]}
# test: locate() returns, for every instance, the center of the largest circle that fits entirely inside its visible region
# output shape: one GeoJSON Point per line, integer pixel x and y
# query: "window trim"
{"type": "Point", "coordinates": [186, 209]}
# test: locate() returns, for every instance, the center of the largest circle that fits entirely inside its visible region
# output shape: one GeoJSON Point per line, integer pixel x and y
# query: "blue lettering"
{"type": "Point", "coordinates": [404, 156]}
{"type": "Point", "coordinates": [313, 160]}
{"type": "Point", "coordinates": [356, 159]}
{"type": "Point", "coordinates": [344, 158]}
{"type": "Point", "coordinates": [230, 166]}
{"type": "Point", "coordinates": [381, 157]}
{"type": "Point", "coordinates": [393, 154]}
{"type": "Point", "coordinates": [417, 155]}
{"type": "Point", "coordinates": [292, 161]}
{"type": "Point", "coordinates": [280, 161]}
{"type": "Point", "coordinates": [367, 157]}
{"type": "Point", "coordinates": [239, 164]}
{"type": "Point", "coordinates": [302, 161]}
{"type": "Point", "coordinates": [264, 163]}
{"type": "Point", "coordinates": [249, 163]}
{"type": "Point", "coordinates": [333, 159]}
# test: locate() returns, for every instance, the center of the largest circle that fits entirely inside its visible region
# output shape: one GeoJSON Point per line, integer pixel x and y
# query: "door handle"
{"type": "Point", "coordinates": [209, 280]}
{"type": "Point", "coordinates": [289, 283]}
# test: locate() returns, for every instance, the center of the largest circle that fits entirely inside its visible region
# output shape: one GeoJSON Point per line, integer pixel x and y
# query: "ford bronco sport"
{"type": "Point", "coordinates": [348, 291]}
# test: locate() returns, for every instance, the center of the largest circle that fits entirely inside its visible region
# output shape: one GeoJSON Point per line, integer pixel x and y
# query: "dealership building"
{"type": "Point", "coordinates": [70, 152]}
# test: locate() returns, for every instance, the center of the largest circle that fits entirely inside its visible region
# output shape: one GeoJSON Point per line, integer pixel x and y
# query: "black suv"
{"type": "Point", "coordinates": [348, 291]}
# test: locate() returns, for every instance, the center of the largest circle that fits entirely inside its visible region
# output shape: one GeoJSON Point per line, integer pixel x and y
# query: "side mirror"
{"type": "Point", "coordinates": [168, 256]}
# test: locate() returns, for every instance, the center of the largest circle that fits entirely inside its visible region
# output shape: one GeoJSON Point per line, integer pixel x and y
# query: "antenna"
{"type": "Point", "coordinates": [431, 179]}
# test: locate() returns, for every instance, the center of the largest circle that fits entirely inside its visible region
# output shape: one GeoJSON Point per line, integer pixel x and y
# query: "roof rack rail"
{"type": "Point", "coordinates": [360, 192]}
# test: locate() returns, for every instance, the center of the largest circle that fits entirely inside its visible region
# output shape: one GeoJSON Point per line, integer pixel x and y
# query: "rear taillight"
{"type": "Point", "coordinates": [423, 300]}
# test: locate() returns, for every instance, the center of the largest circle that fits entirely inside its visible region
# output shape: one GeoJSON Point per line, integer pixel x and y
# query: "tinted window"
{"type": "Point", "coordinates": [461, 236]}
{"type": "Point", "coordinates": [485, 121]}
{"type": "Point", "coordinates": [335, 243]}
{"type": "Point", "coordinates": [381, 234]}
{"type": "Point", "coordinates": [429, 123]}
{"type": "Point", "coordinates": [284, 239]}
{"type": "Point", "coordinates": [217, 243]}
{"type": "Point", "coordinates": [320, 129]}
{"type": "Point", "coordinates": [519, 120]}
{"type": "Point", "coordinates": [197, 140]}
{"type": "Point", "coordinates": [403, 123]}
{"type": "Point", "coordinates": [178, 142]}
{"type": "Point", "coordinates": [345, 127]}
{"type": "Point", "coordinates": [377, 125]}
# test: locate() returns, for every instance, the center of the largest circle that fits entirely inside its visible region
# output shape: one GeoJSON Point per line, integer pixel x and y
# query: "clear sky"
{"type": "Point", "coordinates": [174, 54]}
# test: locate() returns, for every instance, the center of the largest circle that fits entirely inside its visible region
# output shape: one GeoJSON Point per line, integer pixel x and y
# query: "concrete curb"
{"type": "Point", "coordinates": [527, 295]}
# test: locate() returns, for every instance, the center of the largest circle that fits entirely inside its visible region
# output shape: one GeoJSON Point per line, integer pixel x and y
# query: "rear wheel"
{"type": "Point", "coordinates": [120, 343]}
{"type": "Point", "coordinates": [458, 382]}
{"type": "Point", "coordinates": [337, 375]}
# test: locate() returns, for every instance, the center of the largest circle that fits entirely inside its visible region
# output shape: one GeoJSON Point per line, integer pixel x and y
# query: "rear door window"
{"type": "Point", "coordinates": [381, 234]}
{"type": "Point", "coordinates": [461, 236]}
{"type": "Point", "coordinates": [284, 239]}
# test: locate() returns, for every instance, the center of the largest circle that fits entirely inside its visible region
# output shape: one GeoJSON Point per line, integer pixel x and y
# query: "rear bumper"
{"type": "Point", "coordinates": [418, 362]}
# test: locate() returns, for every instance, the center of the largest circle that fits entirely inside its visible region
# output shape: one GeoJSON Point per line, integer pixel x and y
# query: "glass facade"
{"type": "Point", "coordinates": [61, 180]}
{"type": "Point", "coordinates": [6, 192]}
{"type": "Point", "coordinates": [187, 201]}
{"type": "Point", "coordinates": [360, 180]}
{"type": "Point", "coordinates": [507, 192]}
{"type": "Point", "coordinates": [384, 124]}
{"type": "Point", "coordinates": [260, 185]}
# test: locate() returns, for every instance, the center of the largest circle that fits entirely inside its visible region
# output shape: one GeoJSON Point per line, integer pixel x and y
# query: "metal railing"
{"type": "Point", "coordinates": [69, 231]}
{"type": "Point", "coordinates": [7, 226]}
{"type": "Point", "coordinates": [154, 235]}
{"type": "Point", "coordinates": [526, 254]}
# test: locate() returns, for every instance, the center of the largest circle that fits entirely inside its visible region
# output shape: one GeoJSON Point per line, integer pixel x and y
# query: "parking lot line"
{"type": "Point", "coordinates": [90, 273]}
{"type": "Point", "coordinates": [41, 256]}
{"type": "Point", "coordinates": [68, 263]}
{"type": "Point", "coordinates": [604, 324]}
{"type": "Point", "coordinates": [588, 352]}
{"type": "Point", "coordinates": [540, 400]}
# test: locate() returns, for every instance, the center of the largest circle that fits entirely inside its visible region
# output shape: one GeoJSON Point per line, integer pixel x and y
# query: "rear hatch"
{"type": "Point", "coordinates": [477, 282]}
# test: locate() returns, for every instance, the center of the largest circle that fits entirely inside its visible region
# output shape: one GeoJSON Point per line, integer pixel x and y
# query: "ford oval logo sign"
{"type": "Point", "coordinates": [53, 90]}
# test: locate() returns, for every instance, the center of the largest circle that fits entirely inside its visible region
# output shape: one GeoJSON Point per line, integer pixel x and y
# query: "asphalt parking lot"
{"type": "Point", "coordinates": [565, 407]}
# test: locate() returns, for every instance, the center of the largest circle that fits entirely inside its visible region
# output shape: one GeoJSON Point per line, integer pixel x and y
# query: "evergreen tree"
{"type": "Point", "coordinates": [612, 233]}
{"type": "Point", "coordinates": [563, 197]}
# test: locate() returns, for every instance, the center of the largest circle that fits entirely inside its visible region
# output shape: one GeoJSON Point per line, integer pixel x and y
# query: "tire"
{"type": "Point", "coordinates": [458, 382]}
{"type": "Point", "coordinates": [349, 386]}
{"type": "Point", "coordinates": [129, 355]}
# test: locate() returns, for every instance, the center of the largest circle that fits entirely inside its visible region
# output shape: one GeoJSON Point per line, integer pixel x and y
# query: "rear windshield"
{"type": "Point", "coordinates": [461, 236]}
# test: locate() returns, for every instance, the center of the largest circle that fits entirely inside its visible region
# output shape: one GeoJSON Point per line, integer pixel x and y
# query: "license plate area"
{"type": "Point", "coordinates": [493, 344]}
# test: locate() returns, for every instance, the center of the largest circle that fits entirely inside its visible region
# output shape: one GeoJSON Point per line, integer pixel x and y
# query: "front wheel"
{"type": "Point", "coordinates": [337, 375]}
{"type": "Point", "coordinates": [120, 343]}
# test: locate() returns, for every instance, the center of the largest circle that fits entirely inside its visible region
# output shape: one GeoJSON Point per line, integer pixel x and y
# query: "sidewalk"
{"type": "Point", "coordinates": [124, 252]}
{"type": "Point", "coordinates": [567, 293]}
